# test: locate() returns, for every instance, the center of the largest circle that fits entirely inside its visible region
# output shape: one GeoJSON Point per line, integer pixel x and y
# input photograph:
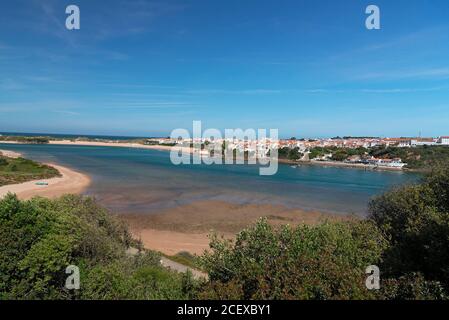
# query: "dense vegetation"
{"type": "Point", "coordinates": [40, 238]}
{"type": "Point", "coordinates": [421, 157]}
{"type": "Point", "coordinates": [21, 170]}
{"type": "Point", "coordinates": [28, 140]}
{"type": "Point", "coordinates": [406, 235]}
{"type": "Point", "coordinates": [338, 154]}
{"type": "Point", "coordinates": [321, 262]}
{"type": "Point", "coordinates": [415, 219]}
{"type": "Point", "coordinates": [418, 158]}
{"type": "Point", "coordinates": [290, 154]}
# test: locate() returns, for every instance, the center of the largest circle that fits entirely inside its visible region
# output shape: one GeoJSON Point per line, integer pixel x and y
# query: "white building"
{"type": "Point", "coordinates": [405, 143]}
{"type": "Point", "coordinates": [392, 163]}
{"type": "Point", "coordinates": [444, 140]}
{"type": "Point", "coordinates": [423, 142]}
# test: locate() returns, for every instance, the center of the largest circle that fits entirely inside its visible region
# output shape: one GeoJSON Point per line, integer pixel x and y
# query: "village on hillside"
{"type": "Point", "coordinates": [349, 150]}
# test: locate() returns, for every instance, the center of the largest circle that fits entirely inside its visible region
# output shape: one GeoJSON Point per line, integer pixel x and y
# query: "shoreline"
{"type": "Point", "coordinates": [70, 182]}
{"type": "Point", "coordinates": [187, 227]}
{"type": "Point", "coordinates": [100, 144]}
{"type": "Point", "coordinates": [343, 165]}
{"type": "Point", "coordinates": [189, 150]}
{"type": "Point", "coordinates": [10, 154]}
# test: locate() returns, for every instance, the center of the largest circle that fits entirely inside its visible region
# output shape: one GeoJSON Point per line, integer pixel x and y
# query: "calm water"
{"type": "Point", "coordinates": [141, 181]}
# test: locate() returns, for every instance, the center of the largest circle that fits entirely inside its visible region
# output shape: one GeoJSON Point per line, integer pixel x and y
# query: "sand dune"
{"type": "Point", "coordinates": [110, 144]}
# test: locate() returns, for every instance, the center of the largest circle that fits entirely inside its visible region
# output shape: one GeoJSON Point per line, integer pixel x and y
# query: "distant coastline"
{"type": "Point", "coordinates": [343, 165]}
{"type": "Point", "coordinates": [100, 144]}
{"type": "Point", "coordinates": [190, 150]}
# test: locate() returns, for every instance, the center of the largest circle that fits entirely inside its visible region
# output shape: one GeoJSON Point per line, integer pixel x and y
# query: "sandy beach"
{"type": "Point", "coordinates": [10, 154]}
{"type": "Point", "coordinates": [100, 144]}
{"type": "Point", "coordinates": [70, 182]}
{"type": "Point", "coordinates": [116, 144]}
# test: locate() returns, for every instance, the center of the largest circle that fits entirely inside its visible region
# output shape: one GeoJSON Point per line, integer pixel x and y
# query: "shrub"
{"type": "Point", "coordinates": [40, 238]}
{"type": "Point", "coordinates": [416, 220]}
{"type": "Point", "coordinates": [327, 261]}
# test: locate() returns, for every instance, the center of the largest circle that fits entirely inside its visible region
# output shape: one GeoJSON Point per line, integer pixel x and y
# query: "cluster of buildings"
{"type": "Point", "coordinates": [376, 162]}
{"type": "Point", "coordinates": [305, 144]}
{"type": "Point", "coordinates": [353, 143]}
{"type": "Point", "coordinates": [414, 142]}
{"type": "Point", "coordinates": [261, 146]}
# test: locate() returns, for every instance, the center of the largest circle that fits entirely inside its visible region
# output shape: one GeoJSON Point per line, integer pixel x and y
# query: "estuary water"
{"type": "Point", "coordinates": [131, 180]}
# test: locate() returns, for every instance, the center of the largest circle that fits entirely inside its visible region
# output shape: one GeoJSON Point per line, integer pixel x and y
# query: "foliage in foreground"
{"type": "Point", "coordinates": [321, 262]}
{"type": "Point", "coordinates": [40, 238]}
{"type": "Point", "coordinates": [327, 261]}
{"type": "Point", "coordinates": [406, 235]}
{"type": "Point", "coordinates": [416, 220]}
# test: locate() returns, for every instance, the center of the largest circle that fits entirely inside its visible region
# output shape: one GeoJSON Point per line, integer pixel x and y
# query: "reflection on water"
{"type": "Point", "coordinates": [141, 180]}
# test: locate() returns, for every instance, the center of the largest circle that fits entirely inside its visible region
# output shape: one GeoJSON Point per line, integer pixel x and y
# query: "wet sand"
{"type": "Point", "coordinates": [187, 227]}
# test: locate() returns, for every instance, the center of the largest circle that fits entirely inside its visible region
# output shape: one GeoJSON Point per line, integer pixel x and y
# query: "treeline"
{"type": "Point", "coordinates": [337, 154]}
{"type": "Point", "coordinates": [406, 235]}
{"type": "Point", "coordinates": [24, 139]}
{"type": "Point", "coordinates": [420, 157]}
{"type": "Point", "coordinates": [292, 154]}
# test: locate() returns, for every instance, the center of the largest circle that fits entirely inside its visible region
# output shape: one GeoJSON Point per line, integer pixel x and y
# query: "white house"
{"type": "Point", "coordinates": [423, 142]}
{"type": "Point", "coordinates": [392, 163]}
{"type": "Point", "coordinates": [444, 140]}
{"type": "Point", "coordinates": [405, 143]}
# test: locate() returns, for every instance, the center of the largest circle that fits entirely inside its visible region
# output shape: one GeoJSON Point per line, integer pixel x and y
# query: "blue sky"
{"type": "Point", "coordinates": [308, 68]}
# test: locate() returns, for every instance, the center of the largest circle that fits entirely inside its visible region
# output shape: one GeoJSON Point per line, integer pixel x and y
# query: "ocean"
{"type": "Point", "coordinates": [131, 180]}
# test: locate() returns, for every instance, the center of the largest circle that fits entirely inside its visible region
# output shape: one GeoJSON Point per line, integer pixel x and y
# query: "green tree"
{"type": "Point", "coordinates": [326, 261]}
{"type": "Point", "coordinates": [39, 238]}
{"type": "Point", "coordinates": [416, 220]}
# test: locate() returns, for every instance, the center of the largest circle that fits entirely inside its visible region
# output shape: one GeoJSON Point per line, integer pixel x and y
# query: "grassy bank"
{"type": "Point", "coordinates": [20, 170]}
{"type": "Point", "coordinates": [26, 139]}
